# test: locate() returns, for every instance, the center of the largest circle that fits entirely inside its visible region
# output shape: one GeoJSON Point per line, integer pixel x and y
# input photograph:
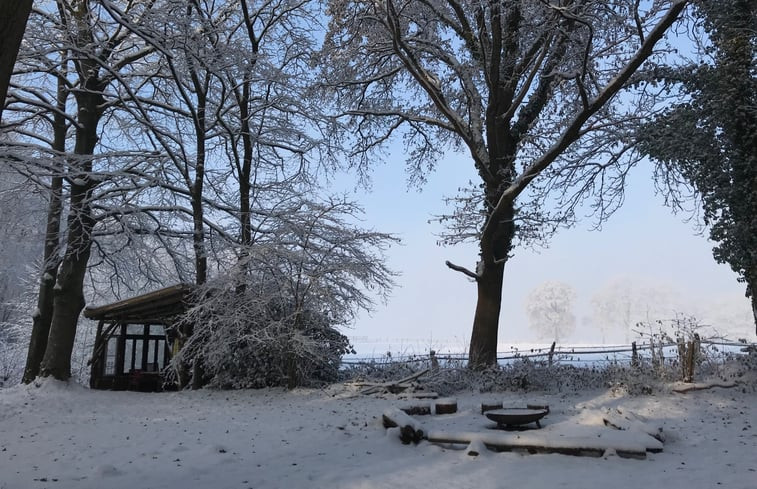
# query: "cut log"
{"type": "Point", "coordinates": [411, 431]}
{"type": "Point", "coordinates": [475, 448]}
{"type": "Point", "coordinates": [446, 406]}
{"type": "Point", "coordinates": [682, 389]}
{"type": "Point", "coordinates": [490, 406]}
{"type": "Point", "coordinates": [417, 409]}
{"type": "Point", "coordinates": [538, 407]}
{"type": "Point", "coordinates": [627, 421]}
{"type": "Point", "coordinates": [419, 395]}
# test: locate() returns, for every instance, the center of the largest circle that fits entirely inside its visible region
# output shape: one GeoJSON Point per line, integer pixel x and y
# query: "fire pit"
{"type": "Point", "coordinates": [511, 417]}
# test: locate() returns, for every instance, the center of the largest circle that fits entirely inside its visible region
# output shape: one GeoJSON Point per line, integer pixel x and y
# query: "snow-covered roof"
{"type": "Point", "coordinates": [155, 306]}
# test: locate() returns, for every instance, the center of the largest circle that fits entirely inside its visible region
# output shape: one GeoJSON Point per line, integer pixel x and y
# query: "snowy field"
{"type": "Point", "coordinates": [57, 435]}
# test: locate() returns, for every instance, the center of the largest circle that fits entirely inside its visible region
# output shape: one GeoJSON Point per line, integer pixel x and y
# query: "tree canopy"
{"type": "Point", "coordinates": [708, 140]}
{"type": "Point", "coordinates": [530, 91]}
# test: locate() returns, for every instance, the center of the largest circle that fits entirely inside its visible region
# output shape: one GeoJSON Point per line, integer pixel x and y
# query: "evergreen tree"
{"type": "Point", "coordinates": [709, 141]}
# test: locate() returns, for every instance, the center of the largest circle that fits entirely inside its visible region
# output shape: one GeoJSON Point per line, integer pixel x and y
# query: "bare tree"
{"type": "Point", "coordinates": [622, 303]}
{"type": "Point", "coordinates": [530, 89]}
{"type": "Point", "coordinates": [78, 35]}
{"type": "Point", "coordinates": [550, 310]}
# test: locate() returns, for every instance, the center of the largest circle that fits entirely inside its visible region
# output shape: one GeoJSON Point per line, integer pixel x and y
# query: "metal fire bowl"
{"type": "Point", "coordinates": [516, 416]}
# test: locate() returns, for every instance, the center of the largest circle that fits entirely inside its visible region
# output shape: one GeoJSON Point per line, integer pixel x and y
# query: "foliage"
{"type": "Point", "coordinates": [708, 140]}
{"type": "Point", "coordinates": [272, 319]}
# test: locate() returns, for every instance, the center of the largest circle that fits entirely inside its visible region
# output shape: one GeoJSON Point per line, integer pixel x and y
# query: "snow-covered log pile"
{"type": "Point", "coordinates": [586, 433]}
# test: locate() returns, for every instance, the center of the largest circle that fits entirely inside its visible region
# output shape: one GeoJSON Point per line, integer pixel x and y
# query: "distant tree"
{"type": "Point", "coordinates": [709, 139]}
{"type": "Point", "coordinates": [529, 89]}
{"type": "Point", "coordinates": [622, 303]}
{"type": "Point", "coordinates": [13, 17]}
{"type": "Point", "coordinates": [550, 310]}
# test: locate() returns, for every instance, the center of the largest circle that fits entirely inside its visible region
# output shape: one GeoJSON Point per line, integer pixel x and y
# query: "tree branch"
{"type": "Point", "coordinates": [462, 270]}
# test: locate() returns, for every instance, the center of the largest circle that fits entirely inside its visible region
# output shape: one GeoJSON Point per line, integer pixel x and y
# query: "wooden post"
{"type": "Point", "coordinates": [97, 365]}
{"type": "Point", "coordinates": [434, 361]}
{"type": "Point", "coordinates": [634, 356]}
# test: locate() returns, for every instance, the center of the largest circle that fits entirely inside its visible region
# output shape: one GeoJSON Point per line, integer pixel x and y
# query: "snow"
{"type": "Point", "coordinates": [58, 435]}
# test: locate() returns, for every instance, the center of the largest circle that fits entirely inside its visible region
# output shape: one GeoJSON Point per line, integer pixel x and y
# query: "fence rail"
{"type": "Point", "coordinates": [584, 355]}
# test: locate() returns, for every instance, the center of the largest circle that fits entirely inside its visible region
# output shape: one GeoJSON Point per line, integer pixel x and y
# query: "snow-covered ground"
{"type": "Point", "coordinates": [57, 435]}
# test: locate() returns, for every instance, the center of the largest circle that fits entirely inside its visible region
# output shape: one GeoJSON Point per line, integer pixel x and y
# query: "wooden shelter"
{"type": "Point", "coordinates": [135, 339]}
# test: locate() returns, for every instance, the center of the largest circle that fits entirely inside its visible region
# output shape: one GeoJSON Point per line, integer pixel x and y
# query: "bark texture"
{"type": "Point", "coordinates": [43, 318]}
{"type": "Point", "coordinates": [68, 300]}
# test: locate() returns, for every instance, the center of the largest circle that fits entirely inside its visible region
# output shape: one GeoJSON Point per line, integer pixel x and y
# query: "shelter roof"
{"type": "Point", "coordinates": [154, 307]}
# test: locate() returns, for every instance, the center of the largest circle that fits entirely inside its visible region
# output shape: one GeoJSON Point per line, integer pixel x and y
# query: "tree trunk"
{"type": "Point", "coordinates": [496, 244]}
{"type": "Point", "coordinates": [43, 317]}
{"type": "Point", "coordinates": [13, 17]}
{"type": "Point", "coordinates": [483, 343]}
{"type": "Point", "coordinates": [68, 298]}
{"type": "Point", "coordinates": [751, 292]}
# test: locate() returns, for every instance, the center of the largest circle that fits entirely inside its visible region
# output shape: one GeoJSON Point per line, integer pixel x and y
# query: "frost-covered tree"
{"type": "Point", "coordinates": [531, 90]}
{"type": "Point", "coordinates": [65, 87]}
{"type": "Point", "coordinates": [550, 310]}
{"type": "Point", "coordinates": [272, 318]}
{"type": "Point", "coordinates": [622, 303]}
{"type": "Point", "coordinates": [709, 139]}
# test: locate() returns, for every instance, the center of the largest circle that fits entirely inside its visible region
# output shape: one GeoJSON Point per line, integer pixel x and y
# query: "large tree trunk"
{"type": "Point", "coordinates": [496, 245]}
{"type": "Point", "coordinates": [13, 17]}
{"type": "Point", "coordinates": [43, 317]}
{"type": "Point", "coordinates": [483, 343]}
{"type": "Point", "coordinates": [68, 298]}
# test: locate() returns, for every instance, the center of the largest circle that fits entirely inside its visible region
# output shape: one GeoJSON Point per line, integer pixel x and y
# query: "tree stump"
{"type": "Point", "coordinates": [490, 406]}
{"type": "Point", "coordinates": [446, 406]}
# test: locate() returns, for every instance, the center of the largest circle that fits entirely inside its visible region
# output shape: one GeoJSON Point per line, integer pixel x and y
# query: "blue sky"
{"type": "Point", "coordinates": [432, 307]}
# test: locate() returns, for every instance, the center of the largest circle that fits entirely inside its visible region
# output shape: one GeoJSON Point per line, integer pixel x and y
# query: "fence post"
{"type": "Point", "coordinates": [634, 355]}
{"type": "Point", "coordinates": [434, 361]}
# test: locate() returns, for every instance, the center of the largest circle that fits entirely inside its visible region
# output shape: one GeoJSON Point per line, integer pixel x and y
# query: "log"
{"type": "Point", "coordinates": [417, 409]}
{"type": "Point", "coordinates": [538, 407]}
{"type": "Point", "coordinates": [419, 395]}
{"type": "Point", "coordinates": [490, 406]}
{"type": "Point", "coordinates": [411, 431]}
{"type": "Point", "coordinates": [446, 406]}
{"type": "Point", "coordinates": [703, 386]}
{"type": "Point", "coordinates": [475, 448]}
{"type": "Point", "coordinates": [630, 422]}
